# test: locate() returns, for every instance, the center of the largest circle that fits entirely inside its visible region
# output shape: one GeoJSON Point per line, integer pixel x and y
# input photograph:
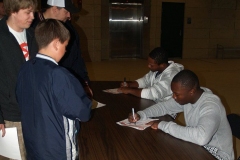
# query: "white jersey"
{"type": "Point", "coordinates": [158, 88]}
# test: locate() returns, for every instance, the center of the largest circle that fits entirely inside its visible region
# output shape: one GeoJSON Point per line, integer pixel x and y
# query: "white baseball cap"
{"type": "Point", "coordinates": [67, 4]}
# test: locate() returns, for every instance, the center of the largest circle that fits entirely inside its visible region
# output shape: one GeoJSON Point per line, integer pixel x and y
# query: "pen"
{"type": "Point", "coordinates": [133, 115]}
{"type": "Point", "coordinates": [124, 82]}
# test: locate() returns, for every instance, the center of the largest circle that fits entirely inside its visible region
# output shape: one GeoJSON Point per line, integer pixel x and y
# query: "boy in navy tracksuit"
{"type": "Point", "coordinates": [51, 99]}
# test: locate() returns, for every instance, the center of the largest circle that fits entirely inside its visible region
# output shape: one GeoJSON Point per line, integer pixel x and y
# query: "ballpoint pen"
{"type": "Point", "coordinates": [133, 115]}
{"type": "Point", "coordinates": [124, 82]}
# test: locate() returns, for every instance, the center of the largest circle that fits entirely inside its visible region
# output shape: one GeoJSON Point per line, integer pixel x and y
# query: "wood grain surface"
{"type": "Point", "coordinates": [102, 139]}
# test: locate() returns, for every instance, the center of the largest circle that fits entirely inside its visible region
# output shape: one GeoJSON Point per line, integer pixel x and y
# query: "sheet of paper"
{"type": "Point", "coordinates": [100, 105]}
{"type": "Point", "coordinates": [113, 91]}
{"type": "Point", "coordinates": [140, 125]}
{"type": "Point", "coordinates": [96, 104]}
{"type": "Point", "coordinates": [9, 146]}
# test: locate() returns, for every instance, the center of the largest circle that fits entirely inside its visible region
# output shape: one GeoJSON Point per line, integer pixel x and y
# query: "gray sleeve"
{"type": "Point", "coordinates": [208, 122]}
{"type": "Point", "coordinates": [160, 109]}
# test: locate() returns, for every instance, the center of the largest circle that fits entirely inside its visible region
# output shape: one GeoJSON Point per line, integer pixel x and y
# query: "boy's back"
{"type": "Point", "coordinates": [51, 100]}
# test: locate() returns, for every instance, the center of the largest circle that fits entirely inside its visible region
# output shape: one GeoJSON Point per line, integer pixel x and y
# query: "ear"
{"type": "Point", "coordinates": [192, 91]}
{"type": "Point", "coordinates": [13, 14]}
{"type": "Point", "coordinates": [54, 9]}
{"type": "Point", "coordinates": [55, 44]}
{"type": "Point", "coordinates": [159, 65]}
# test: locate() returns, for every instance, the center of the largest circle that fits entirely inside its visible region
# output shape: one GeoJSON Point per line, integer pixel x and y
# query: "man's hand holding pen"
{"type": "Point", "coordinates": [124, 87]}
{"type": "Point", "coordinates": [124, 84]}
{"type": "Point", "coordinates": [133, 118]}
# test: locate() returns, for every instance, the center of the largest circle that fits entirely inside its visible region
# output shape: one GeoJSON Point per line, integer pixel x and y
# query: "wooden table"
{"type": "Point", "coordinates": [102, 139]}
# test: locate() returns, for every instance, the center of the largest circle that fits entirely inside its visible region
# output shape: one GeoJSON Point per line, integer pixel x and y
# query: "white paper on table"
{"type": "Point", "coordinates": [113, 91]}
{"type": "Point", "coordinates": [9, 146]}
{"type": "Point", "coordinates": [96, 104]}
{"type": "Point", "coordinates": [140, 125]}
{"type": "Point", "coordinates": [100, 105]}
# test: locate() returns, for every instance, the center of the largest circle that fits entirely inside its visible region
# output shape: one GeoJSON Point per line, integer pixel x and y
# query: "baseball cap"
{"type": "Point", "coordinates": [67, 4]}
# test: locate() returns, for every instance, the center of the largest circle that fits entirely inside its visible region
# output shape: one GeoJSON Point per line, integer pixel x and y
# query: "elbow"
{"type": "Point", "coordinates": [201, 143]}
{"type": "Point", "coordinates": [85, 116]}
{"type": "Point", "coordinates": [202, 136]}
{"type": "Point", "coordinates": [202, 140]}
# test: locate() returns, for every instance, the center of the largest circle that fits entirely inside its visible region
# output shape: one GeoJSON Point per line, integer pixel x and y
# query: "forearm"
{"type": "Point", "coordinates": [152, 111]}
{"type": "Point", "coordinates": [160, 109]}
{"type": "Point", "coordinates": [133, 84]}
{"type": "Point", "coordinates": [200, 134]}
{"type": "Point", "coordinates": [135, 91]}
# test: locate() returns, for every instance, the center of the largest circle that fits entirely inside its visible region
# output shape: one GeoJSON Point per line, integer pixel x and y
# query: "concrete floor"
{"type": "Point", "coordinates": [222, 76]}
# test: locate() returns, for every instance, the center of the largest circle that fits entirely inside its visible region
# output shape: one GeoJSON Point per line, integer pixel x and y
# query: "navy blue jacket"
{"type": "Point", "coordinates": [48, 97]}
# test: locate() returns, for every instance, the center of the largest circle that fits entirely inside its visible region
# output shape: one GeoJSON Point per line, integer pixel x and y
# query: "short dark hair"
{"type": "Point", "coordinates": [12, 6]}
{"type": "Point", "coordinates": [187, 78]}
{"type": "Point", "coordinates": [48, 30]}
{"type": "Point", "coordinates": [159, 55]}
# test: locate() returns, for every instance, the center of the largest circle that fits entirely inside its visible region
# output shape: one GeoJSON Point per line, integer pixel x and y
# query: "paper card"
{"type": "Point", "coordinates": [113, 91]}
{"type": "Point", "coordinates": [96, 104]}
{"type": "Point", "coordinates": [140, 125]}
{"type": "Point", "coordinates": [100, 105]}
{"type": "Point", "coordinates": [9, 145]}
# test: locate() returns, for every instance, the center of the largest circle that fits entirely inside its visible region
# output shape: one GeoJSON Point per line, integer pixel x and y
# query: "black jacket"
{"type": "Point", "coordinates": [11, 60]}
{"type": "Point", "coordinates": [72, 60]}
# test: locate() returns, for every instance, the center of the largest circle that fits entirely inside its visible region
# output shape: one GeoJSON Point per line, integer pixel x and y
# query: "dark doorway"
{"type": "Point", "coordinates": [172, 28]}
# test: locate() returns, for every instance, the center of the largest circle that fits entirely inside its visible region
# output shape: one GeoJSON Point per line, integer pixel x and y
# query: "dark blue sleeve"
{"type": "Point", "coordinates": [70, 96]}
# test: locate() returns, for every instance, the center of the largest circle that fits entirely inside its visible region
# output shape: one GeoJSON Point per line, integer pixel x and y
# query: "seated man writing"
{"type": "Point", "coordinates": [155, 85]}
{"type": "Point", "coordinates": [205, 116]}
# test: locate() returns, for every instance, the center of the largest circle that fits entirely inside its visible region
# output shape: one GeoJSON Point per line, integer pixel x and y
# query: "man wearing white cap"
{"type": "Point", "coordinates": [67, 4]}
{"type": "Point", "coordinates": [72, 60]}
